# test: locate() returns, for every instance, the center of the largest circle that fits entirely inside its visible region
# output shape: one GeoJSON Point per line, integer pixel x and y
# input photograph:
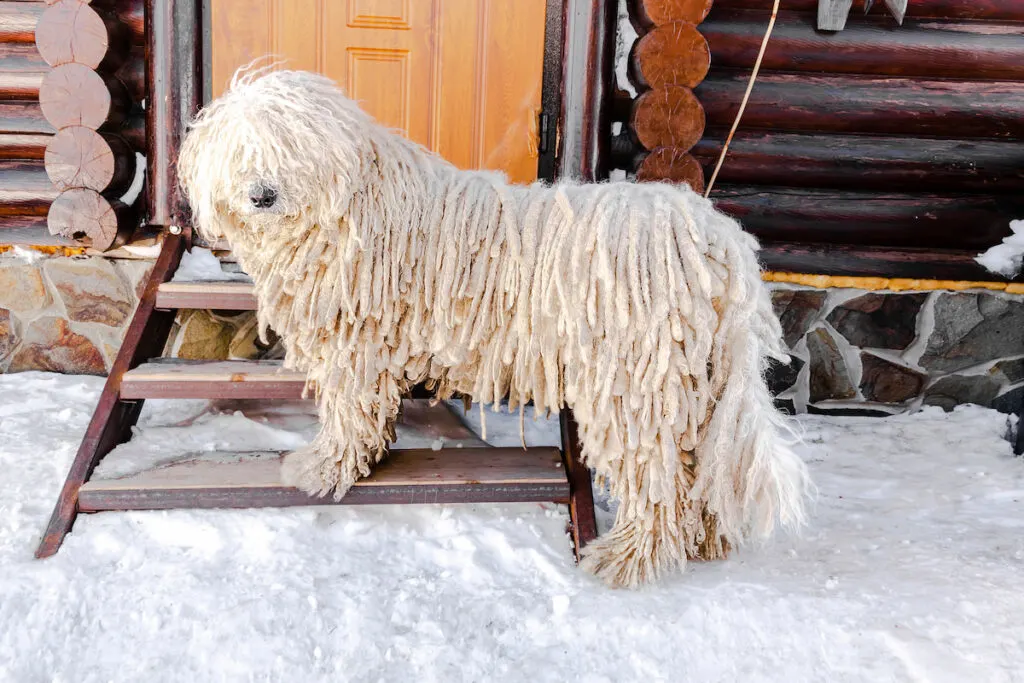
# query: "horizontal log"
{"type": "Point", "coordinates": [998, 10]}
{"type": "Point", "coordinates": [71, 31]}
{"type": "Point", "coordinates": [90, 218]}
{"type": "Point", "coordinates": [80, 157]}
{"type": "Point", "coordinates": [18, 21]}
{"type": "Point", "coordinates": [23, 145]}
{"type": "Point", "coordinates": [862, 104]}
{"type": "Point", "coordinates": [22, 70]}
{"type": "Point", "coordinates": [919, 48]}
{"type": "Point", "coordinates": [867, 162]}
{"type": "Point", "coordinates": [32, 227]}
{"type": "Point", "coordinates": [673, 54]}
{"type": "Point", "coordinates": [668, 117]}
{"type": "Point", "coordinates": [649, 13]}
{"type": "Point", "coordinates": [27, 118]}
{"type": "Point", "coordinates": [866, 218]}
{"type": "Point", "coordinates": [671, 165]}
{"type": "Point", "coordinates": [75, 95]}
{"type": "Point", "coordinates": [25, 190]}
{"type": "Point", "coordinates": [907, 262]}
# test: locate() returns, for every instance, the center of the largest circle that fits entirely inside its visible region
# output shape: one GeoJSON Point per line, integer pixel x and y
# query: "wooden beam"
{"type": "Point", "coordinates": [867, 162]}
{"type": "Point", "coordinates": [78, 157]}
{"type": "Point", "coordinates": [25, 190]}
{"type": "Point", "coordinates": [668, 117]}
{"type": "Point", "coordinates": [179, 378]}
{"type": "Point", "coordinates": [675, 54]}
{"type": "Point", "coordinates": [113, 418]}
{"type": "Point", "coordinates": [582, 520]}
{"type": "Point", "coordinates": [587, 81]}
{"type": "Point", "coordinates": [651, 13]}
{"type": "Point", "coordinates": [94, 220]}
{"type": "Point", "coordinates": [971, 50]}
{"type": "Point", "coordinates": [781, 214]}
{"type": "Point", "coordinates": [174, 77]}
{"type": "Point", "coordinates": [806, 103]}
{"type": "Point", "coordinates": [995, 10]}
{"type": "Point", "coordinates": [229, 296]}
{"type": "Point", "coordinates": [451, 475]}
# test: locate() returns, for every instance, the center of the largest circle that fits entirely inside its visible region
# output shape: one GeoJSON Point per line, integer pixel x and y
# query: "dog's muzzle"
{"type": "Point", "coordinates": [262, 197]}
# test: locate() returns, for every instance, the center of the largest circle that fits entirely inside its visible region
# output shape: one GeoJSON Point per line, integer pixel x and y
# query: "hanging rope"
{"type": "Point", "coordinates": [746, 96]}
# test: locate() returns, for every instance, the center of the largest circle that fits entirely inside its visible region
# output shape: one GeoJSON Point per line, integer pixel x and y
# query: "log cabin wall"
{"type": "Point", "coordinates": [880, 150]}
{"type": "Point", "coordinates": [893, 154]}
{"type": "Point", "coordinates": [72, 81]}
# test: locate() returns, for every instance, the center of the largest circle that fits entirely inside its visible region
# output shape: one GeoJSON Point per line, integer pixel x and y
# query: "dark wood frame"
{"type": "Point", "coordinates": [175, 38]}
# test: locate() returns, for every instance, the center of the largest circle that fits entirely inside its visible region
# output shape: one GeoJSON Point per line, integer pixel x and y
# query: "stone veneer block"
{"type": "Point", "coordinates": [91, 290]}
{"type": "Point", "coordinates": [203, 337]}
{"type": "Point", "coordinates": [973, 328]}
{"type": "Point", "coordinates": [953, 390]}
{"type": "Point", "coordinates": [8, 335]}
{"type": "Point", "coordinates": [829, 375]}
{"type": "Point", "coordinates": [879, 321]}
{"type": "Point", "coordinates": [885, 382]}
{"type": "Point", "coordinates": [21, 287]}
{"type": "Point", "coordinates": [797, 309]}
{"type": "Point", "coordinates": [50, 344]}
{"type": "Point", "coordinates": [1012, 371]}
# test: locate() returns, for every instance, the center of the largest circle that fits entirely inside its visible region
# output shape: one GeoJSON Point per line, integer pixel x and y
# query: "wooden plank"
{"type": "Point", "coordinates": [675, 54]}
{"type": "Point", "coordinates": [782, 214]}
{"type": "Point", "coordinates": [868, 261]}
{"type": "Point", "coordinates": [995, 10]}
{"type": "Point", "coordinates": [231, 296]}
{"type": "Point", "coordinates": [409, 476]}
{"type": "Point", "coordinates": [866, 162]}
{"type": "Point", "coordinates": [582, 519]}
{"type": "Point", "coordinates": [971, 50]}
{"type": "Point", "coordinates": [175, 378]}
{"type": "Point", "coordinates": [113, 418]}
{"type": "Point", "coordinates": [807, 103]}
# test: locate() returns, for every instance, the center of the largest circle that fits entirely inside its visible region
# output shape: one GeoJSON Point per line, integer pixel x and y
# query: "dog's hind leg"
{"type": "Point", "coordinates": [356, 426]}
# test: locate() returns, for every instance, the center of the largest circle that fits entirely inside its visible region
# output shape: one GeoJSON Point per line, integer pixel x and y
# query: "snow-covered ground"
{"type": "Point", "coordinates": [912, 570]}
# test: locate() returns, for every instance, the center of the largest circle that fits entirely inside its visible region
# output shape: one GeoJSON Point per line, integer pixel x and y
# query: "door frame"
{"type": "Point", "coordinates": [576, 90]}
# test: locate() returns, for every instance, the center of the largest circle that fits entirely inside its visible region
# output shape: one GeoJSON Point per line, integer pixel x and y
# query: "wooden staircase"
{"type": "Point", "coordinates": [236, 480]}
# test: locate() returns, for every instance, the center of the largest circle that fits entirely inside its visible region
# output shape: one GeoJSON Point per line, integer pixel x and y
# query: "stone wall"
{"type": "Point", "coordinates": [885, 352]}
{"type": "Point", "coordinates": [853, 351]}
{"type": "Point", "coordinates": [65, 314]}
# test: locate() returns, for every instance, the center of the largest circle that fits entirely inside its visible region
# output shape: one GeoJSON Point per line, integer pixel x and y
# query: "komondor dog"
{"type": "Point", "coordinates": [381, 266]}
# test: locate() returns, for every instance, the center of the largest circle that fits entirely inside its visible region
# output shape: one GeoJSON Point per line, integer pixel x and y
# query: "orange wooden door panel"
{"type": "Point", "coordinates": [461, 77]}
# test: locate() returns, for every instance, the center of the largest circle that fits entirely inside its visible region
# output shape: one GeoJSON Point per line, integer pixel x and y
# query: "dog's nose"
{"type": "Point", "coordinates": [262, 197]}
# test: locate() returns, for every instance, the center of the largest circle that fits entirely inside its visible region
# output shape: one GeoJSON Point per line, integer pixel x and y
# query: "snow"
{"type": "Point", "coordinates": [201, 265]}
{"type": "Point", "coordinates": [1007, 257]}
{"type": "Point", "coordinates": [911, 569]}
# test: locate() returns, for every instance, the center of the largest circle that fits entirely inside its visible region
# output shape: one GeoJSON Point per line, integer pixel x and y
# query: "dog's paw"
{"type": "Point", "coordinates": [308, 471]}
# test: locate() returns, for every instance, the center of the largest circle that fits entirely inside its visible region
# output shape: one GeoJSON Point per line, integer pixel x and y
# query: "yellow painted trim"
{"type": "Point", "coordinates": [48, 249]}
{"type": "Point", "coordinates": [891, 284]}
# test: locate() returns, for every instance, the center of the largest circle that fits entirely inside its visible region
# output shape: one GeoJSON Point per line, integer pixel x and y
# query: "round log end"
{"type": "Point", "coordinates": [88, 217]}
{"type": "Point", "coordinates": [70, 31]}
{"type": "Point", "coordinates": [75, 95]}
{"type": "Point", "coordinates": [658, 12]}
{"type": "Point", "coordinates": [672, 165]}
{"type": "Point", "coordinates": [668, 117]}
{"type": "Point", "coordinates": [673, 54]}
{"type": "Point", "coordinates": [80, 157]}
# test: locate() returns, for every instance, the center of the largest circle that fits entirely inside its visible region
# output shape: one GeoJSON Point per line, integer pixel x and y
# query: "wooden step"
{"type": "Point", "coordinates": [228, 296]}
{"type": "Point", "coordinates": [178, 378]}
{"type": "Point", "coordinates": [243, 480]}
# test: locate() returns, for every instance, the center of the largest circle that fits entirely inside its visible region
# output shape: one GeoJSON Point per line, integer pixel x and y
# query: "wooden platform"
{"type": "Point", "coordinates": [176, 378]}
{"type": "Point", "coordinates": [244, 480]}
{"type": "Point", "coordinates": [230, 296]}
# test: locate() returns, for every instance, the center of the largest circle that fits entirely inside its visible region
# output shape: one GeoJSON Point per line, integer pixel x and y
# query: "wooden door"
{"type": "Point", "coordinates": [461, 77]}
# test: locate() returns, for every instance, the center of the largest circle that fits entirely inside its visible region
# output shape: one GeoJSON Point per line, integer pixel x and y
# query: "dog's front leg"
{"type": "Point", "coordinates": [356, 424]}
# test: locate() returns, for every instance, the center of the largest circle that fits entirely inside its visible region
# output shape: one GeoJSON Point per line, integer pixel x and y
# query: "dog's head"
{"type": "Point", "coordinates": [278, 148]}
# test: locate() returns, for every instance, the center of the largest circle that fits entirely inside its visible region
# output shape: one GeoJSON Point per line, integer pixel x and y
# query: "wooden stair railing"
{"type": "Point", "coordinates": [235, 480]}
